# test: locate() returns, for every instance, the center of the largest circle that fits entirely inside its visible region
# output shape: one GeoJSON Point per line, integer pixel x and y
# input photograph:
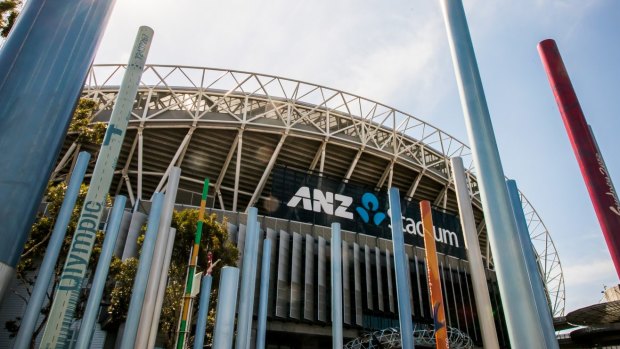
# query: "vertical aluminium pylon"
{"type": "Point", "coordinates": [43, 65]}
{"type": "Point", "coordinates": [519, 307]}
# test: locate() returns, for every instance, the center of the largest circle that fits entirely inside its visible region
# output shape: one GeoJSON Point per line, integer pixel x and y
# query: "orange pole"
{"type": "Point", "coordinates": [432, 270]}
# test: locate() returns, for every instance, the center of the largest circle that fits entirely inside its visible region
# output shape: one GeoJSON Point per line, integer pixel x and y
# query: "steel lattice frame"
{"type": "Point", "coordinates": [180, 102]}
{"type": "Point", "coordinates": [424, 335]}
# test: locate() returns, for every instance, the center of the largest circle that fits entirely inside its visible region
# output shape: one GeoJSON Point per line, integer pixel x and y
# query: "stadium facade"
{"type": "Point", "coordinates": [306, 156]}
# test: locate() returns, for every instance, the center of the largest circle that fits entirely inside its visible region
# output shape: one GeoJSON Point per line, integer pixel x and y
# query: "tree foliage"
{"type": "Point", "coordinates": [9, 10]}
{"type": "Point", "coordinates": [87, 131]}
{"type": "Point", "coordinates": [214, 239]}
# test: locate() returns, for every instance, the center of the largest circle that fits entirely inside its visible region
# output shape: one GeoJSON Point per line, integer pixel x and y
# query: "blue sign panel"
{"type": "Point", "coordinates": [309, 198]}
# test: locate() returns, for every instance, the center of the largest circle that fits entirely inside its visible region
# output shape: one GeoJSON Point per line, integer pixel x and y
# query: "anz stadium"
{"type": "Point", "coordinates": [306, 156]}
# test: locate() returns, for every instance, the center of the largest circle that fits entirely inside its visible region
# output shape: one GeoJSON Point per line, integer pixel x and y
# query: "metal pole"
{"type": "Point", "coordinates": [336, 246]}
{"type": "Point", "coordinates": [122, 234]}
{"type": "Point", "coordinates": [131, 245]}
{"type": "Point", "coordinates": [248, 281]}
{"type": "Point", "coordinates": [161, 292]}
{"type": "Point", "coordinates": [226, 305]}
{"type": "Point", "coordinates": [474, 256]}
{"type": "Point", "coordinates": [42, 68]}
{"type": "Point", "coordinates": [191, 268]}
{"type": "Point", "coordinates": [432, 273]}
{"type": "Point", "coordinates": [598, 182]}
{"type": "Point", "coordinates": [66, 297]}
{"type": "Point", "coordinates": [519, 308]}
{"type": "Point", "coordinates": [203, 312]}
{"type": "Point", "coordinates": [156, 272]}
{"type": "Point", "coordinates": [44, 276]}
{"type": "Point", "coordinates": [402, 277]}
{"type": "Point", "coordinates": [536, 282]}
{"type": "Point", "coordinates": [144, 266]}
{"type": "Point", "coordinates": [261, 330]}
{"type": "Point", "coordinates": [101, 274]}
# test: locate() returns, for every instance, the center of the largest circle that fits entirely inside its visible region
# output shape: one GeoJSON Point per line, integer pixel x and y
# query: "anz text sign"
{"type": "Point", "coordinates": [312, 199]}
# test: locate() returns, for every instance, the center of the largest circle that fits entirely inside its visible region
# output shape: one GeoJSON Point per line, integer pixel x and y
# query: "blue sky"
{"type": "Point", "coordinates": [396, 52]}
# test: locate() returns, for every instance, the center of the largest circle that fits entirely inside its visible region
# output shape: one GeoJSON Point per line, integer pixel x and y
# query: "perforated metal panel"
{"type": "Point", "coordinates": [309, 304]}
{"type": "Point", "coordinates": [283, 291]}
{"type": "Point", "coordinates": [295, 311]}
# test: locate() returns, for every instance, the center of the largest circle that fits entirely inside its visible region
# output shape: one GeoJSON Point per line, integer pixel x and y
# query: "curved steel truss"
{"type": "Point", "coordinates": [209, 121]}
{"type": "Point", "coordinates": [424, 335]}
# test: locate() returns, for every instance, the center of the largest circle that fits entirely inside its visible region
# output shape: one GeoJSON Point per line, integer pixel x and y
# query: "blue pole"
{"type": "Point", "coordinates": [43, 65]}
{"type": "Point", "coordinates": [400, 268]}
{"type": "Point", "coordinates": [203, 312]}
{"type": "Point", "coordinates": [536, 282]}
{"type": "Point", "coordinates": [226, 305]}
{"type": "Point", "coordinates": [248, 281]}
{"type": "Point", "coordinates": [263, 297]}
{"type": "Point", "coordinates": [142, 275]}
{"type": "Point", "coordinates": [35, 303]}
{"type": "Point", "coordinates": [101, 274]}
{"type": "Point", "coordinates": [336, 246]}
{"type": "Point", "coordinates": [519, 307]}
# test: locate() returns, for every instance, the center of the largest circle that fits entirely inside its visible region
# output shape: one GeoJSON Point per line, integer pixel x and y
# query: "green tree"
{"type": "Point", "coordinates": [87, 132]}
{"type": "Point", "coordinates": [214, 239]}
{"type": "Point", "coordinates": [9, 10]}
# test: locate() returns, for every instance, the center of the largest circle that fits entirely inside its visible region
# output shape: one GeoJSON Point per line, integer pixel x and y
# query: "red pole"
{"type": "Point", "coordinates": [593, 169]}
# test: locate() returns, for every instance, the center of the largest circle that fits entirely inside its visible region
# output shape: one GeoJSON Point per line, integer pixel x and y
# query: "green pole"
{"type": "Point", "coordinates": [191, 269]}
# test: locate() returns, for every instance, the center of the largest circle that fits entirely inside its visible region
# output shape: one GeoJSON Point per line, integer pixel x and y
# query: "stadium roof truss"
{"type": "Point", "coordinates": [209, 121]}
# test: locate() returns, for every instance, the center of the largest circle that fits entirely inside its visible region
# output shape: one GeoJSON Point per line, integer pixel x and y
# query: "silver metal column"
{"type": "Point", "coordinates": [536, 282]}
{"type": "Point", "coordinates": [144, 266]}
{"type": "Point", "coordinates": [248, 281]}
{"type": "Point", "coordinates": [122, 234]}
{"type": "Point", "coordinates": [101, 274]}
{"type": "Point", "coordinates": [203, 311]}
{"type": "Point", "coordinates": [226, 306]}
{"type": "Point", "coordinates": [402, 283]}
{"type": "Point", "coordinates": [161, 292]}
{"type": "Point", "coordinates": [43, 65]}
{"type": "Point", "coordinates": [264, 294]}
{"type": "Point", "coordinates": [336, 285]}
{"type": "Point", "coordinates": [521, 315]}
{"type": "Point", "coordinates": [155, 273]}
{"type": "Point", "coordinates": [44, 277]}
{"type": "Point", "coordinates": [131, 244]}
{"type": "Point", "coordinates": [474, 256]}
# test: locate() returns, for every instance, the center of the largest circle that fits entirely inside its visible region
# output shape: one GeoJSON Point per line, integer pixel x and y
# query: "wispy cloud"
{"type": "Point", "coordinates": [588, 273]}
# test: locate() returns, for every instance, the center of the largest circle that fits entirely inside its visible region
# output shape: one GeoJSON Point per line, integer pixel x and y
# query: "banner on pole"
{"type": "Point", "coordinates": [67, 293]}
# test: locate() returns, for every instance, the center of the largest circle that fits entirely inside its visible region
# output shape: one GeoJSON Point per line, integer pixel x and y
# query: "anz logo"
{"type": "Point", "coordinates": [328, 202]}
{"type": "Point", "coordinates": [337, 204]}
